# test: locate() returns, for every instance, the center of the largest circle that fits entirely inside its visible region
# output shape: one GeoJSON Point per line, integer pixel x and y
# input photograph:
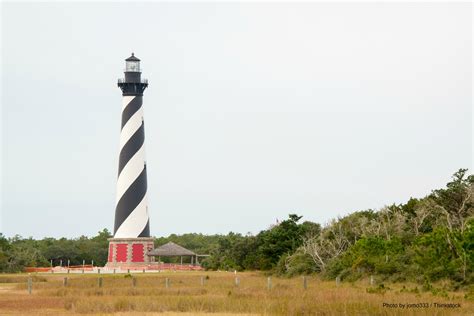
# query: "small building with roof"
{"type": "Point", "coordinates": [171, 249]}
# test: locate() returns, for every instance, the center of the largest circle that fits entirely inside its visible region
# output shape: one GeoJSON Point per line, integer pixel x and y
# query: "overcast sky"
{"type": "Point", "coordinates": [253, 111]}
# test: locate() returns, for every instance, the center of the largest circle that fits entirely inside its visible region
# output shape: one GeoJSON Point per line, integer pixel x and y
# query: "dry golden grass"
{"type": "Point", "coordinates": [219, 295]}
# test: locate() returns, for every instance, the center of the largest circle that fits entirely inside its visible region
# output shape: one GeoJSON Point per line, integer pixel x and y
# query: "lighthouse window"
{"type": "Point", "coordinates": [133, 66]}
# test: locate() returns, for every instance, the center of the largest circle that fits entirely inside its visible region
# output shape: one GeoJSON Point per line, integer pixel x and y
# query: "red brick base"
{"type": "Point", "coordinates": [129, 251]}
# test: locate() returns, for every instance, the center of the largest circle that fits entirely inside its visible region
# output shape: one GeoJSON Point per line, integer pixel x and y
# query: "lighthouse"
{"type": "Point", "coordinates": [131, 241]}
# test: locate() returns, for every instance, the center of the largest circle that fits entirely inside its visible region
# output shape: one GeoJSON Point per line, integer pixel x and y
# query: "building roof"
{"type": "Point", "coordinates": [171, 249]}
{"type": "Point", "coordinates": [132, 58]}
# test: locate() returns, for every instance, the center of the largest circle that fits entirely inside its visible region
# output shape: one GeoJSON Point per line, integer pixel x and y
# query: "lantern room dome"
{"type": "Point", "coordinates": [132, 58]}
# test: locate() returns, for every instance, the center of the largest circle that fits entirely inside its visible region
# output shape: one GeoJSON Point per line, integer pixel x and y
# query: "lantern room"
{"type": "Point", "coordinates": [132, 64]}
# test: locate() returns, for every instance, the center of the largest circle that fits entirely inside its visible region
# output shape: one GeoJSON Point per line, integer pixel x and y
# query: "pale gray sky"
{"type": "Point", "coordinates": [254, 111]}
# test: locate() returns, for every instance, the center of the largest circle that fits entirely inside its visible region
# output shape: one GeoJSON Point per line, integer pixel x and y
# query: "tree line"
{"type": "Point", "coordinates": [424, 239]}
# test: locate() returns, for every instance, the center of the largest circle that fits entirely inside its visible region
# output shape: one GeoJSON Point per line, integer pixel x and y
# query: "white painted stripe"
{"type": "Point", "coordinates": [135, 222]}
{"type": "Point", "coordinates": [126, 100]}
{"type": "Point", "coordinates": [130, 172]}
{"type": "Point", "coordinates": [131, 127]}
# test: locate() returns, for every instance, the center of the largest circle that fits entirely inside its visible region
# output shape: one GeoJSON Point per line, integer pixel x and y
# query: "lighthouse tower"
{"type": "Point", "coordinates": [131, 241]}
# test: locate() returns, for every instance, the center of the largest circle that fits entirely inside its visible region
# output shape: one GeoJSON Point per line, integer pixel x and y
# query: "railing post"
{"type": "Point", "coordinates": [30, 284]}
{"type": "Point", "coordinates": [269, 283]}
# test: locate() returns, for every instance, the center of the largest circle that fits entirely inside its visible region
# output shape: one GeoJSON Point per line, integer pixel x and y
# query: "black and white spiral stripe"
{"type": "Point", "coordinates": [131, 213]}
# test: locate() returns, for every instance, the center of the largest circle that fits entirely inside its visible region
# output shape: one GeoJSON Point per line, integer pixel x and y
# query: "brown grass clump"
{"type": "Point", "coordinates": [18, 278]}
{"type": "Point", "coordinates": [219, 295]}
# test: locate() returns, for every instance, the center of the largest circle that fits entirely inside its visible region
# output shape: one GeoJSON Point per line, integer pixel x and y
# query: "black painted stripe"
{"type": "Point", "coordinates": [146, 231]}
{"type": "Point", "coordinates": [131, 109]}
{"type": "Point", "coordinates": [131, 147]}
{"type": "Point", "coordinates": [130, 199]}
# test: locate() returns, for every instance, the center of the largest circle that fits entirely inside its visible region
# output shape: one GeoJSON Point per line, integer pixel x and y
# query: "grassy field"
{"type": "Point", "coordinates": [219, 295]}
